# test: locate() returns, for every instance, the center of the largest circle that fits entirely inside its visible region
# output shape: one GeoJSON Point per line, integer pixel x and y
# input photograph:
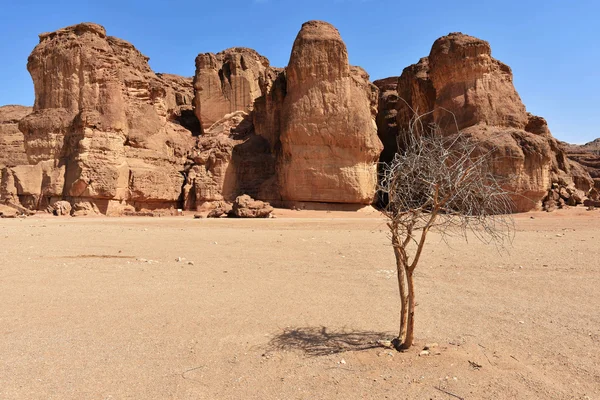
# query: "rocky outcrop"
{"type": "Point", "coordinates": [461, 87]}
{"type": "Point", "coordinates": [329, 143]}
{"type": "Point", "coordinates": [105, 130]}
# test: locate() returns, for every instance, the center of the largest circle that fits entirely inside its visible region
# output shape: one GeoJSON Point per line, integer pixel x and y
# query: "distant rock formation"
{"type": "Point", "coordinates": [460, 87]}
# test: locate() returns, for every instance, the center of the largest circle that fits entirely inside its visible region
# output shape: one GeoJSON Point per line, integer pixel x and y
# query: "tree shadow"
{"type": "Point", "coordinates": [320, 341]}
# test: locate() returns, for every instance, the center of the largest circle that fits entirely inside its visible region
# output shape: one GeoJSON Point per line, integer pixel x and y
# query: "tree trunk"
{"type": "Point", "coordinates": [404, 303]}
{"type": "Point", "coordinates": [410, 326]}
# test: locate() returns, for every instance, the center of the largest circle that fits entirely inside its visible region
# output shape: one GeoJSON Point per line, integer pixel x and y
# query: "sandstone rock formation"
{"type": "Point", "coordinates": [229, 160]}
{"type": "Point", "coordinates": [12, 148]}
{"type": "Point", "coordinates": [227, 82]}
{"type": "Point", "coordinates": [329, 143]}
{"type": "Point", "coordinates": [246, 207]}
{"type": "Point", "coordinates": [110, 136]}
{"type": "Point", "coordinates": [460, 87]}
{"type": "Point", "coordinates": [587, 155]}
{"type": "Point", "coordinates": [303, 134]}
{"type": "Point", "coordinates": [105, 130]}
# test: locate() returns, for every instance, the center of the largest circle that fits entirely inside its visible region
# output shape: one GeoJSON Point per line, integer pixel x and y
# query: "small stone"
{"type": "Point", "coordinates": [343, 361]}
{"type": "Point", "coordinates": [190, 263]}
{"type": "Point", "coordinates": [198, 216]}
{"type": "Point", "coordinates": [385, 343]}
{"type": "Point", "coordinates": [430, 346]}
{"type": "Point", "coordinates": [424, 353]}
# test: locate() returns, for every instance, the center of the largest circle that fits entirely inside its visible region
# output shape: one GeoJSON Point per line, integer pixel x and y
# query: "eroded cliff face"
{"type": "Point", "coordinates": [588, 156]}
{"type": "Point", "coordinates": [12, 150]}
{"type": "Point", "coordinates": [227, 82]}
{"type": "Point", "coordinates": [12, 147]}
{"type": "Point", "coordinates": [309, 131]}
{"type": "Point", "coordinates": [461, 87]}
{"type": "Point", "coordinates": [111, 136]}
{"type": "Point", "coordinates": [105, 129]}
{"type": "Point", "coordinates": [329, 140]}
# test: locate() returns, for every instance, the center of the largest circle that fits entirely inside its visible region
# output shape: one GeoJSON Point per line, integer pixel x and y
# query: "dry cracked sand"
{"type": "Point", "coordinates": [292, 308]}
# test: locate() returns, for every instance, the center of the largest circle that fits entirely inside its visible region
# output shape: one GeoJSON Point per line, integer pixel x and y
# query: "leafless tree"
{"type": "Point", "coordinates": [442, 183]}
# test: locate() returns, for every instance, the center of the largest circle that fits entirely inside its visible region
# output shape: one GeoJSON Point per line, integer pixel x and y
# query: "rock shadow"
{"type": "Point", "coordinates": [321, 341]}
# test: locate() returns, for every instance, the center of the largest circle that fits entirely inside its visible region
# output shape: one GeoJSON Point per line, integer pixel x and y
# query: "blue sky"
{"type": "Point", "coordinates": [552, 46]}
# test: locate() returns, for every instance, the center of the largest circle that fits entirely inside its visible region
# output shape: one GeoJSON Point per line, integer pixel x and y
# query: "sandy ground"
{"type": "Point", "coordinates": [291, 308]}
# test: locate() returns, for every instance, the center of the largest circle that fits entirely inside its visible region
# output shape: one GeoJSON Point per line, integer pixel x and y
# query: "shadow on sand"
{"type": "Point", "coordinates": [320, 341]}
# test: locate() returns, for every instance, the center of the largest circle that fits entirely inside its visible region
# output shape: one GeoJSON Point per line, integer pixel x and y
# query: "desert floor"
{"type": "Point", "coordinates": [292, 308]}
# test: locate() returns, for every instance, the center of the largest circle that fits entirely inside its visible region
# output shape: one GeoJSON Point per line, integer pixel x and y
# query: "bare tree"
{"type": "Point", "coordinates": [442, 183]}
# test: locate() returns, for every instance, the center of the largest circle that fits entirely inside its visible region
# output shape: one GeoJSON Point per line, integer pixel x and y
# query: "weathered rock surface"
{"type": "Point", "coordinates": [227, 82]}
{"type": "Point", "coordinates": [461, 87]}
{"type": "Point", "coordinates": [329, 143]}
{"type": "Point", "coordinates": [105, 130]}
{"type": "Point", "coordinates": [246, 207]}
{"type": "Point", "coordinates": [229, 160]}
{"type": "Point", "coordinates": [12, 148]}
{"type": "Point", "coordinates": [61, 207]}
{"type": "Point", "coordinates": [308, 131]}
{"type": "Point", "coordinates": [587, 155]}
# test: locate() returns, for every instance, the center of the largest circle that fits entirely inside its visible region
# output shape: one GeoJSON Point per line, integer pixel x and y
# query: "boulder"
{"type": "Point", "coordinates": [84, 208]}
{"type": "Point", "coordinates": [221, 209]}
{"type": "Point", "coordinates": [60, 208]}
{"type": "Point", "coordinates": [246, 207]}
{"type": "Point", "coordinates": [329, 143]}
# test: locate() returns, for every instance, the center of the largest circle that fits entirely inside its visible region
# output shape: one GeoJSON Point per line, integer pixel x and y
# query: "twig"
{"type": "Point", "coordinates": [190, 370]}
{"type": "Point", "coordinates": [485, 354]}
{"type": "Point", "coordinates": [449, 394]}
{"type": "Point", "coordinates": [514, 358]}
